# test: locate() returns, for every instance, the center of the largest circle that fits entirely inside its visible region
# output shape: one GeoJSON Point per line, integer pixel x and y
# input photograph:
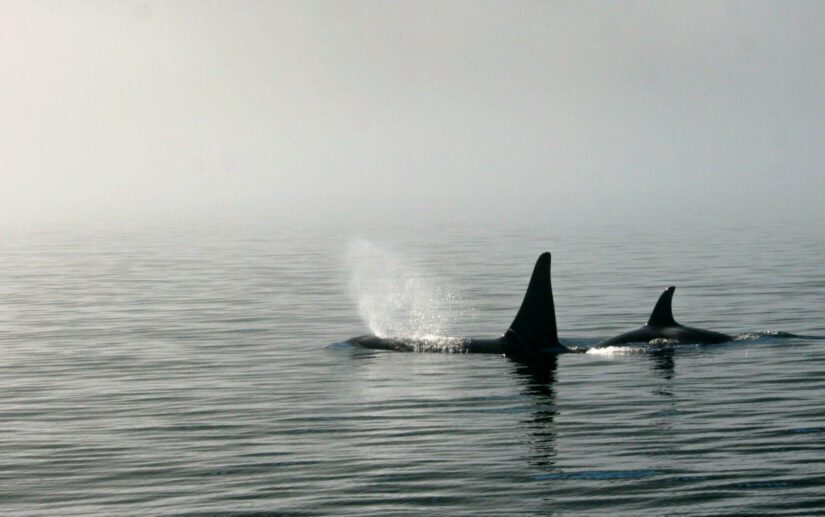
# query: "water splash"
{"type": "Point", "coordinates": [664, 341]}
{"type": "Point", "coordinates": [616, 350]}
{"type": "Point", "coordinates": [395, 298]}
{"type": "Point", "coordinates": [449, 345]}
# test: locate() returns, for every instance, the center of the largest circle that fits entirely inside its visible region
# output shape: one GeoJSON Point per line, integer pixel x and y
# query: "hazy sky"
{"type": "Point", "coordinates": [288, 110]}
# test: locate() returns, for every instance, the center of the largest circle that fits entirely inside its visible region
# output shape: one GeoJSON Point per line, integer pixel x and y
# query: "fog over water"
{"type": "Point", "coordinates": [156, 112]}
{"type": "Point", "coordinates": [202, 201]}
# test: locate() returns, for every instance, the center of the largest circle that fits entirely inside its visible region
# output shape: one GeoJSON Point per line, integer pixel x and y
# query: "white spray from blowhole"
{"type": "Point", "coordinates": [397, 299]}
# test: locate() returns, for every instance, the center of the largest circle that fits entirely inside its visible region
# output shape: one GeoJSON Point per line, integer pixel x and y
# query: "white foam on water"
{"type": "Point", "coordinates": [612, 351]}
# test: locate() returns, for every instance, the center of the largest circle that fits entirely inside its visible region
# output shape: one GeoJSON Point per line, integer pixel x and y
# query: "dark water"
{"type": "Point", "coordinates": [172, 371]}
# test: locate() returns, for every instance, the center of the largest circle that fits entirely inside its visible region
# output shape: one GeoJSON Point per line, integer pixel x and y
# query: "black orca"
{"type": "Point", "coordinates": [532, 334]}
{"type": "Point", "coordinates": [661, 325]}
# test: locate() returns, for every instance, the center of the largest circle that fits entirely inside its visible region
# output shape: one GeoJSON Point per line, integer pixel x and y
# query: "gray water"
{"type": "Point", "coordinates": [202, 370]}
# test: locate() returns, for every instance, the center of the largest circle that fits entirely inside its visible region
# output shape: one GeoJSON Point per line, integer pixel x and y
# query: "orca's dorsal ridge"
{"type": "Point", "coordinates": [662, 315]}
{"type": "Point", "coordinates": [535, 322]}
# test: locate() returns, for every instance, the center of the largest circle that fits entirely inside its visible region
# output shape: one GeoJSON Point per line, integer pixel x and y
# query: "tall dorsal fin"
{"type": "Point", "coordinates": [535, 323]}
{"type": "Point", "coordinates": [662, 315]}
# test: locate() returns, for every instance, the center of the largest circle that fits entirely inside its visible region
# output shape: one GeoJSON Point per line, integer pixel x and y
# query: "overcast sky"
{"type": "Point", "coordinates": [291, 110]}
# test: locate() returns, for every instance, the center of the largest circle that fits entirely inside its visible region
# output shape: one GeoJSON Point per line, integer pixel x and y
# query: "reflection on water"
{"type": "Point", "coordinates": [537, 379]}
{"type": "Point", "coordinates": [663, 362]}
{"type": "Point", "coordinates": [662, 359]}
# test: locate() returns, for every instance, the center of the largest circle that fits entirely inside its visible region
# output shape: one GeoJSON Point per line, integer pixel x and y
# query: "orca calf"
{"type": "Point", "coordinates": [661, 325]}
{"type": "Point", "coordinates": [532, 335]}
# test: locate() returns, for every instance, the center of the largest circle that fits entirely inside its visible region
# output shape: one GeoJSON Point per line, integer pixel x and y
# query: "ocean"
{"type": "Point", "coordinates": [198, 370]}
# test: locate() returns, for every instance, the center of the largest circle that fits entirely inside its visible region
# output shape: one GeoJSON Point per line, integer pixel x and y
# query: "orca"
{"type": "Point", "coordinates": [532, 335]}
{"type": "Point", "coordinates": [661, 325]}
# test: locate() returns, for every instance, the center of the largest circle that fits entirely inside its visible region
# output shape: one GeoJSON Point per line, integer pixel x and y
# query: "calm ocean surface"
{"type": "Point", "coordinates": [196, 371]}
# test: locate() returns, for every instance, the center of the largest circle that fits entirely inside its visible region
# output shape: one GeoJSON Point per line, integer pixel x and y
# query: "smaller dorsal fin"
{"type": "Point", "coordinates": [662, 315]}
{"type": "Point", "coordinates": [535, 323]}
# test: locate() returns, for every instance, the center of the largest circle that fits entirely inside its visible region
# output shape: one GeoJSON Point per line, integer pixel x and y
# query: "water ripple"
{"type": "Point", "coordinates": [189, 373]}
